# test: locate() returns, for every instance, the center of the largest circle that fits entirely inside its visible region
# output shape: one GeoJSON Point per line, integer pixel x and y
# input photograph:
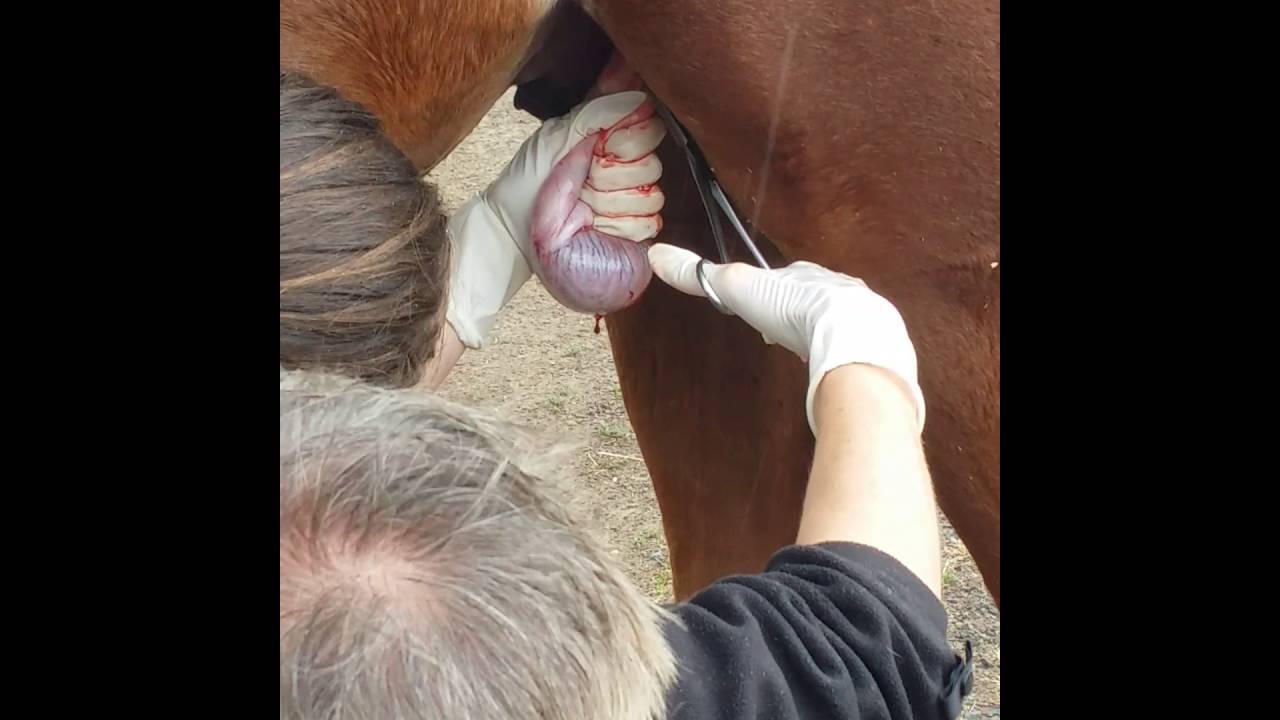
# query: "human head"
{"type": "Point", "coordinates": [425, 574]}
{"type": "Point", "coordinates": [364, 256]}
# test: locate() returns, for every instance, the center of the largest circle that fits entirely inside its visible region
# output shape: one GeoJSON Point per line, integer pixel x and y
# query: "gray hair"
{"type": "Point", "coordinates": [425, 574]}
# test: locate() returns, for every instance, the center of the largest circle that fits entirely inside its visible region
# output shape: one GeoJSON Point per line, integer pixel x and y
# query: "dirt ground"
{"type": "Point", "coordinates": [547, 369]}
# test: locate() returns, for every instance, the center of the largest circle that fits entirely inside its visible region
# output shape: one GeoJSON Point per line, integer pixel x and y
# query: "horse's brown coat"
{"type": "Point", "coordinates": [869, 145]}
{"type": "Point", "coordinates": [429, 69]}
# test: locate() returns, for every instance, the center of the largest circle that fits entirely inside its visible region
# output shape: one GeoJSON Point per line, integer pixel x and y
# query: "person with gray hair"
{"type": "Point", "coordinates": [425, 573]}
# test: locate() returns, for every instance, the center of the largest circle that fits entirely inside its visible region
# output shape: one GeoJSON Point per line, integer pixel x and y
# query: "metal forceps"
{"type": "Point", "coordinates": [712, 197]}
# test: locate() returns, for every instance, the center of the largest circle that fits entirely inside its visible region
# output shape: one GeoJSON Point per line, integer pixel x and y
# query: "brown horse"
{"type": "Point", "coordinates": [861, 136]}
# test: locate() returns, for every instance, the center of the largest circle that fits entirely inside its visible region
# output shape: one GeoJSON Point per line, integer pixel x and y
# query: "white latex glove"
{"type": "Point", "coordinates": [493, 254]}
{"type": "Point", "coordinates": [826, 318]}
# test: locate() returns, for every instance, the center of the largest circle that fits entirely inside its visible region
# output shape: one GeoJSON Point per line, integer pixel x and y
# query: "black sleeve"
{"type": "Point", "coordinates": [836, 630]}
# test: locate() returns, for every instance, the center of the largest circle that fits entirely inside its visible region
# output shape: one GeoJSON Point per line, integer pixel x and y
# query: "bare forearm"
{"type": "Point", "coordinates": [448, 349]}
{"type": "Point", "coordinates": [869, 483]}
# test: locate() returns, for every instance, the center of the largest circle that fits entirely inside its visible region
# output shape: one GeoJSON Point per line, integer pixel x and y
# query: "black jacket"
{"type": "Point", "coordinates": [830, 631]}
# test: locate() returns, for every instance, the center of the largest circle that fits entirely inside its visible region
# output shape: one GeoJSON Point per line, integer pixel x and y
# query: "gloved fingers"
{"type": "Point", "coordinates": [607, 111]}
{"type": "Point", "coordinates": [633, 139]}
{"type": "Point", "coordinates": [643, 200]}
{"type": "Point", "coordinates": [677, 267]}
{"type": "Point", "coordinates": [636, 228]}
{"type": "Point", "coordinates": [760, 297]}
{"type": "Point", "coordinates": [609, 175]}
{"type": "Point", "coordinates": [735, 283]}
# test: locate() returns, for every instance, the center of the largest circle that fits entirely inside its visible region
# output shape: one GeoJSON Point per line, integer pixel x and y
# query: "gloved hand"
{"type": "Point", "coordinates": [493, 254]}
{"type": "Point", "coordinates": [826, 318]}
